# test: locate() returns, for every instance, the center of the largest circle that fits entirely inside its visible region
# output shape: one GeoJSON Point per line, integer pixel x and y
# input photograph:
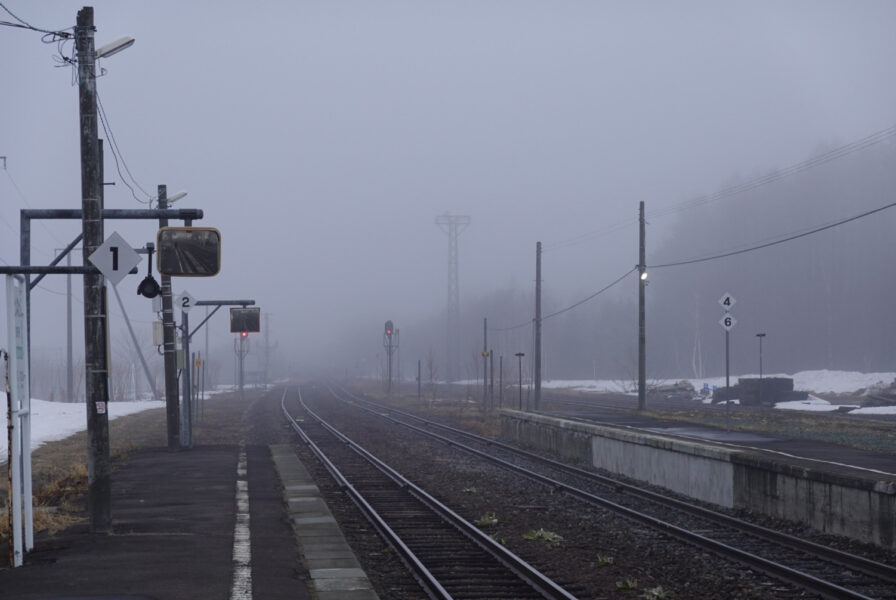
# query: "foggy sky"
{"type": "Point", "coordinates": [323, 138]}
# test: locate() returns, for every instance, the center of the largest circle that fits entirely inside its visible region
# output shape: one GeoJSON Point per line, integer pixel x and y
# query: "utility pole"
{"type": "Point", "coordinates": [267, 348]}
{"type": "Point", "coordinates": [537, 325]}
{"type": "Point", "coordinates": [484, 361]}
{"type": "Point", "coordinates": [453, 225]}
{"type": "Point", "coordinates": [99, 468]}
{"type": "Point", "coordinates": [642, 328]}
{"type": "Point", "coordinates": [172, 409]}
{"type": "Point", "coordinates": [501, 381]}
{"type": "Point", "coordinates": [491, 369]}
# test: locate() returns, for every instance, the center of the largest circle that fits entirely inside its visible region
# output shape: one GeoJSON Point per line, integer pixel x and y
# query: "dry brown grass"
{"type": "Point", "coordinates": [59, 470]}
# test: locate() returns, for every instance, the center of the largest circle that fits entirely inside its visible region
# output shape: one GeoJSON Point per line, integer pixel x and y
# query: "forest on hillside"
{"type": "Point", "coordinates": [823, 300]}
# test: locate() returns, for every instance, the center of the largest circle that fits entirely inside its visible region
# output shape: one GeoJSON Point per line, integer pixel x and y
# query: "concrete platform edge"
{"type": "Point", "coordinates": [861, 508]}
{"type": "Point", "coordinates": [334, 569]}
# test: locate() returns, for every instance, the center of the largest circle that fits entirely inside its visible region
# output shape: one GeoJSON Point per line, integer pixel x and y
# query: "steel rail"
{"type": "Point", "coordinates": [426, 579]}
{"type": "Point", "coordinates": [526, 572]}
{"type": "Point", "coordinates": [852, 561]}
{"type": "Point", "coordinates": [799, 578]}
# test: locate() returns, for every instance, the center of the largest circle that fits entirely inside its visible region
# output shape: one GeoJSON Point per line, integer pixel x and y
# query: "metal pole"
{"type": "Point", "coordinates": [205, 360]}
{"type": "Point", "coordinates": [491, 370]}
{"type": "Point", "coordinates": [186, 429]}
{"type": "Point", "coordinates": [642, 328]}
{"type": "Point", "coordinates": [727, 387]}
{"type": "Point", "coordinates": [519, 356]}
{"type": "Point", "coordinates": [537, 325]}
{"type": "Point", "coordinates": [69, 363]}
{"type": "Point", "coordinates": [242, 378]}
{"type": "Point", "coordinates": [99, 468]}
{"type": "Point", "coordinates": [169, 351]}
{"type": "Point", "coordinates": [760, 336]}
{"type": "Point", "coordinates": [127, 320]}
{"type": "Point", "coordinates": [484, 360]}
{"type": "Point", "coordinates": [501, 381]}
{"type": "Point", "coordinates": [419, 382]}
{"type": "Point", "coordinates": [389, 361]}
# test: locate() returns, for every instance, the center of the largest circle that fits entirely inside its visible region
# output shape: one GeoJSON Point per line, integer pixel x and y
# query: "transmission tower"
{"type": "Point", "coordinates": [453, 225]}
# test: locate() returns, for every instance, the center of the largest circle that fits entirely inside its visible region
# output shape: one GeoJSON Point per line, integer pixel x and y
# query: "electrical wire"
{"type": "Point", "coordinates": [570, 307]}
{"type": "Point", "coordinates": [776, 242]}
{"type": "Point", "coordinates": [512, 327]}
{"type": "Point", "coordinates": [22, 24]}
{"type": "Point", "coordinates": [118, 156]}
{"type": "Point", "coordinates": [591, 297]}
{"type": "Point", "coordinates": [27, 204]}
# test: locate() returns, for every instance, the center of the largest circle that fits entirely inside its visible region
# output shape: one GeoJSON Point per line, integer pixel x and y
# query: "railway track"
{"type": "Point", "coordinates": [449, 557]}
{"type": "Point", "coordinates": [819, 569]}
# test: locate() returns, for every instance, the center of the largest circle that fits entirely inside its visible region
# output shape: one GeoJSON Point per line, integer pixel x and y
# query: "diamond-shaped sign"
{"type": "Point", "coordinates": [114, 258]}
{"type": "Point", "coordinates": [185, 302]}
{"type": "Point", "coordinates": [727, 301]}
{"type": "Point", "coordinates": [727, 321]}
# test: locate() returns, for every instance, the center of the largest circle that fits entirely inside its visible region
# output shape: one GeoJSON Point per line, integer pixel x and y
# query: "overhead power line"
{"type": "Point", "coordinates": [22, 24]}
{"type": "Point", "coordinates": [118, 156]}
{"type": "Point", "coordinates": [776, 242]}
{"type": "Point", "coordinates": [591, 297]}
{"type": "Point", "coordinates": [568, 308]}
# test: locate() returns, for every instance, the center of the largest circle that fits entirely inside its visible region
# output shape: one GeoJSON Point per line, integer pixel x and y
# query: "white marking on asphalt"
{"type": "Point", "coordinates": [242, 551]}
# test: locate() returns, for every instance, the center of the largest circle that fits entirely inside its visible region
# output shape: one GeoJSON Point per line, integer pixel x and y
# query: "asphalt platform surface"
{"type": "Point", "coordinates": [174, 515]}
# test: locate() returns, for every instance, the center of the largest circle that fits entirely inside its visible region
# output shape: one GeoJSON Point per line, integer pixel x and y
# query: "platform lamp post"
{"type": "Point", "coordinates": [519, 358]}
{"type": "Point", "coordinates": [760, 336]}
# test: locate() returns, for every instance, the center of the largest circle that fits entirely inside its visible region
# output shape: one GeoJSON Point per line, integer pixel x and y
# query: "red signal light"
{"type": "Point", "coordinates": [244, 334]}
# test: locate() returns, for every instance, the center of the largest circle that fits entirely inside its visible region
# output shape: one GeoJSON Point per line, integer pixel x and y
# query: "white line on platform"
{"type": "Point", "coordinates": [242, 551]}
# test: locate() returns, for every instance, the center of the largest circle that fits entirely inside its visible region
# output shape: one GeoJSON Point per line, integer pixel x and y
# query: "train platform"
{"type": "Point", "coordinates": [209, 522]}
{"type": "Point", "coordinates": [810, 454]}
{"type": "Point", "coordinates": [828, 487]}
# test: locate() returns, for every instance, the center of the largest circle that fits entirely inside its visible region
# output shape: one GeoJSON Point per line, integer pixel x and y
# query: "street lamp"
{"type": "Point", "coordinates": [760, 336]}
{"type": "Point", "coordinates": [115, 46]}
{"type": "Point", "coordinates": [519, 357]}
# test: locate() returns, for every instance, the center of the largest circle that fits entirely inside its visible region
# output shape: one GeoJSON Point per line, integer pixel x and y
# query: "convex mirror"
{"type": "Point", "coordinates": [188, 251]}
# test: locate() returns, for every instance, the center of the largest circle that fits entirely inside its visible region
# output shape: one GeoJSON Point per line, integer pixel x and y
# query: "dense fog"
{"type": "Point", "coordinates": [323, 141]}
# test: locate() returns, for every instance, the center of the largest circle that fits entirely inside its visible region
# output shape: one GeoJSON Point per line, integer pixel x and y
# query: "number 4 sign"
{"type": "Point", "coordinates": [727, 301]}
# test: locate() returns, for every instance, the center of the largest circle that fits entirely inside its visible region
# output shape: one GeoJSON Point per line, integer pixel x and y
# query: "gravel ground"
{"type": "Point", "coordinates": [600, 555]}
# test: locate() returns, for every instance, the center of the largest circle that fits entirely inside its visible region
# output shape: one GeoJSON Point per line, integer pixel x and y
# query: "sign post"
{"type": "Point", "coordinates": [20, 419]}
{"type": "Point", "coordinates": [185, 301]}
{"type": "Point", "coordinates": [727, 322]}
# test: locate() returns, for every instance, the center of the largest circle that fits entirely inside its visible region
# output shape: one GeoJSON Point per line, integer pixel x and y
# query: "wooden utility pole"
{"type": "Point", "coordinates": [99, 468]}
{"type": "Point", "coordinates": [642, 329]}
{"type": "Point", "coordinates": [484, 361]}
{"type": "Point", "coordinates": [537, 325]}
{"type": "Point", "coordinates": [169, 351]}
